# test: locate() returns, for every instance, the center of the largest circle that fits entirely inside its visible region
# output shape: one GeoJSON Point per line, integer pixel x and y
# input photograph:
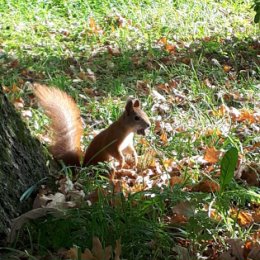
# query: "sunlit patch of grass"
{"type": "Point", "coordinates": [215, 57]}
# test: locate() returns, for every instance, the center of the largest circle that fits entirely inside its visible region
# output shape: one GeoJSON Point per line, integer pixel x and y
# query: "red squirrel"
{"type": "Point", "coordinates": [67, 130]}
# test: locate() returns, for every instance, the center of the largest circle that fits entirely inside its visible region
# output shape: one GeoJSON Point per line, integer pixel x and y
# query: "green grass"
{"type": "Point", "coordinates": [52, 42]}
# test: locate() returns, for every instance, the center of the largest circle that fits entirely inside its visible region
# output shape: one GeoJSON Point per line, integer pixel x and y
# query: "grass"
{"type": "Point", "coordinates": [214, 60]}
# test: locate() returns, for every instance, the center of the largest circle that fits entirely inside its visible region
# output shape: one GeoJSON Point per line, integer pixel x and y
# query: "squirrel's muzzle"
{"type": "Point", "coordinates": [142, 130]}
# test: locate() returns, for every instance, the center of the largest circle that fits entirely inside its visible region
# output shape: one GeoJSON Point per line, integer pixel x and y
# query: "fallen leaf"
{"type": "Point", "coordinates": [249, 173]}
{"type": "Point", "coordinates": [97, 249]}
{"type": "Point", "coordinates": [164, 138]}
{"type": "Point", "coordinates": [94, 27]}
{"type": "Point", "coordinates": [143, 86]}
{"type": "Point", "coordinates": [246, 115]}
{"type": "Point", "coordinates": [215, 131]}
{"type": "Point", "coordinates": [87, 255]}
{"type": "Point", "coordinates": [18, 103]}
{"type": "Point", "coordinates": [118, 249]}
{"type": "Point", "coordinates": [6, 89]}
{"type": "Point", "coordinates": [243, 218]}
{"type": "Point", "coordinates": [170, 48]}
{"type": "Point", "coordinates": [207, 186]}
{"type": "Point", "coordinates": [256, 216]}
{"type": "Point", "coordinates": [114, 51]}
{"type": "Point", "coordinates": [227, 68]}
{"type": "Point", "coordinates": [14, 64]}
{"type": "Point", "coordinates": [176, 180]}
{"type": "Point", "coordinates": [211, 155]}
{"type": "Point", "coordinates": [182, 212]}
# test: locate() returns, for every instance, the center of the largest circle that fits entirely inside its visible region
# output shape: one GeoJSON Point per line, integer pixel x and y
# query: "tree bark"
{"type": "Point", "coordinates": [22, 164]}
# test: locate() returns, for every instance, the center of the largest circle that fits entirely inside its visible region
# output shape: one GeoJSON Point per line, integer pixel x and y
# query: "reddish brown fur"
{"type": "Point", "coordinates": [66, 123]}
{"type": "Point", "coordinates": [67, 128]}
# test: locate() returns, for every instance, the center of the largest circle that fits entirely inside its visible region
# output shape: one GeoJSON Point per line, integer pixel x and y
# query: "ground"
{"type": "Point", "coordinates": [195, 67]}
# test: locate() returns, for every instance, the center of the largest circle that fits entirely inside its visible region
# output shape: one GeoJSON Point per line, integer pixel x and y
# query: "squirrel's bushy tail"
{"type": "Point", "coordinates": [66, 123]}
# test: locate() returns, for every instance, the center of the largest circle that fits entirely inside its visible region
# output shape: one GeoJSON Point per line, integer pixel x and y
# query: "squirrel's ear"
{"type": "Point", "coordinates": [132, 103]}
{"type": "Point", "coordinates": [129, 105]}
{"type": "Point", "coordinates": [136, 103]}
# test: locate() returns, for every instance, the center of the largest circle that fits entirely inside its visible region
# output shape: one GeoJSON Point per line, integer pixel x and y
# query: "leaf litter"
{"type": "Point", "coordinates": [161, 169]}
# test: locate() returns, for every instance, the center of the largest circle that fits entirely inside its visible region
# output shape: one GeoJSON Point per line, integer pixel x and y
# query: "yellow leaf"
{"type": "Point", "coordinates": [227, 68]}
{"type": "Point", "coordinates": [163, 40]}
{"type": "Point", "coordinates": [243, 218]}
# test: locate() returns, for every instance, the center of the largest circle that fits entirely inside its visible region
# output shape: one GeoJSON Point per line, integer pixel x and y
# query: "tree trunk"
{"type": "Point", "coordinates": [22, 164]}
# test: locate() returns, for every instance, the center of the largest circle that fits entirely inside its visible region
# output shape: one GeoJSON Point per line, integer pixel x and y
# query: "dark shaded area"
{"type": "Point", "coordinates": [22, 164]}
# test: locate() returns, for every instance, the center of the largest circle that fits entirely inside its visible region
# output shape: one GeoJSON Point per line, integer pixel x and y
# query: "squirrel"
{"type": "Point", "coordinates": [67, 129]}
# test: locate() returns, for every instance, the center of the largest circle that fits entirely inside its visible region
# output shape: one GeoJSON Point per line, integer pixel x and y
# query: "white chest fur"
{"type": "Point", "coordinates": [127, 141]}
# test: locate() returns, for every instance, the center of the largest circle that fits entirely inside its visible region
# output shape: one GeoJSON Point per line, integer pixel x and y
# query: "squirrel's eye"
{"type": "Point", "coordinates": [137, 118]}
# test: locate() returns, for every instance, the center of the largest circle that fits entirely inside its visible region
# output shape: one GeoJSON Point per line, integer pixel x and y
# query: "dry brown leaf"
{"type": "Point", "coordinates": [175, 180]}
{"type": "Point", "coordinates": [182, 212]}
{"type": "Point", "coordinates": [14, 64]}
{"type": "Point", "coordinates": [118, 249]}
{"type": "Point", "coordinates": [6, 89]}
{"type": "Point", "coordinates": [215, 215]}
{"type": "Point", "coordinates": [18, 103]}
{"type": "Point", "coordinates": [223, 109]}
{"type": "Point", "coordinates": [170, 48]}
{"type": "Point", "coordinates": [97, 249]}
{"type": "Point", "coordinates": [246, 115]}
{"type": "Point", "coordinates": [206, 186]}
{"type": "Point", "coordinates": [89, 75]}
{"type": "Point", "coordinates": [211, 155]}
{"type": "Point", "coordinates": [163, 86]}
{"type": "Point", "coordinates": [164, 138]}
{"type": "Point", "coordinates": [108, 253]}
{"type": "Point", "coordinates": [249, 173]}
{"type": "Point", "coordinates": [143, 86]}
{"type": "Point", "coordinates": [185, 60]}
{"type": "Point", "coordinates": [241, 251]}
{"type": "Point", "coordinates": [178, 218]}
{"type": "Point", "coordinates": [208, 83]}
{"type": "Point", "coordinates": [90, 92]}
{"type": "Point", "coordinates": [113, 50]}
{"type": "Point", "coordinates": [254, 253]}
{"type": "Point", "coordinates": [243, 217]}
{"type": "Point", "coordinates": [72, 253]}
{"type": "Point", "coordinates": [87, 255]}
{"type": "Point", "coordinates": [256, 216]}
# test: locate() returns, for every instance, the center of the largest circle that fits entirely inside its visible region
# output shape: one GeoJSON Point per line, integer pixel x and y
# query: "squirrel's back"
{"type": "Point", "coordinates": [65, 123]}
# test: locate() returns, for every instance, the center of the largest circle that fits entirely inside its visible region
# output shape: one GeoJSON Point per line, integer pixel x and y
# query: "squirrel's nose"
{"type": "Point", "coordinates": [148, 124]}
